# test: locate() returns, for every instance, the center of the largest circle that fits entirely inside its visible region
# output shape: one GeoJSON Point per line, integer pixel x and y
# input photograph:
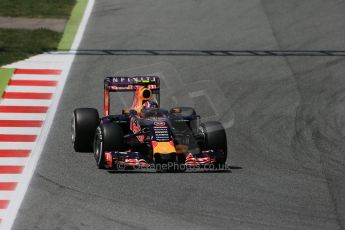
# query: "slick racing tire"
{"type": "Point", "coordinates": [108, 137]}
{"type": "Point", "coordinates": [84, 125]}
{"type": "Point", "coordinates": [215, 139]}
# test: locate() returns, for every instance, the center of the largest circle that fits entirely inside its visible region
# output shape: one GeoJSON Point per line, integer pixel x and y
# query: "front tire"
{"type": "Point", "coordinates": [215, 139]}
{"type": "Point", "coordinates": [84, 124]}
{"type": "Point", "coordinates": [108, 138]}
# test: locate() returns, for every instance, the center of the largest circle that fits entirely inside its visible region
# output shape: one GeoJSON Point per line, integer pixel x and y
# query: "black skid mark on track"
{"type": "Point", "coordinates": [206, 53]}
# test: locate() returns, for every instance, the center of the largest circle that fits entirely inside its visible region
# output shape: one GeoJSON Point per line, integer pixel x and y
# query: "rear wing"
{"type": "Point", "coordinates": [119, 83]}
{"type": "Point", "coordinates": [128, 84]}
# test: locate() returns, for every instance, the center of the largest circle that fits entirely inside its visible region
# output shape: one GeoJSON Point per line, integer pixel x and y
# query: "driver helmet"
{"type": "Point", "coordinates": [148, 106]}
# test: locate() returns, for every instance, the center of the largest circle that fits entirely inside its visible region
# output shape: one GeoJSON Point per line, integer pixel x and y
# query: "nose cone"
{"type": "Point", "coordinates": [163, 147]}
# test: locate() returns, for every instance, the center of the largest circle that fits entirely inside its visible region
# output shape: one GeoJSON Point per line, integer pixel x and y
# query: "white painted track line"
{"type": "Point", "coordinates": [17, 161]}
{"type": "Point", "coordinates": [23, 116]}
{"type": "Point", "coordinates": [30, 89]}
{"type": "Point", "coordinates": [20, 130]}
{"type": "Point", "coordinates": [25, 102]}
{"type": "Point", "coordinates": [35, 77]}
{"type": "Point", "coordinates": [17, 145]}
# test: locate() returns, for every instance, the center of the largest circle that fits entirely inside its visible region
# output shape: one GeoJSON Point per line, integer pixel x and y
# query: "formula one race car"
{"type": "Point", "coordinates": [146, 135]}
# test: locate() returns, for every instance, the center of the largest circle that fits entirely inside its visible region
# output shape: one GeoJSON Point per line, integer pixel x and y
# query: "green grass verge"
{"type": "Point", "coordinates": [5, 75]}
{"type": "Point", "coordinates": [18, 44]}
{"type": "Point", "coordinates": [36, 8]}
{"type": "Point", "coordinates": [72, 25]}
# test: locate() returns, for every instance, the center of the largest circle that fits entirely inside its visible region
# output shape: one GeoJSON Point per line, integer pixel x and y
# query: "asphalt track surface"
{"type": "Point", "coordinates": [286, 114]}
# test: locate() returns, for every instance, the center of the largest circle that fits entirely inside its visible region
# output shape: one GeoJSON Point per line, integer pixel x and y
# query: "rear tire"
{"type": "Point", "coordinates": [215, 139]}
{"type": "Point", "coordinates": [84, 124]}
{"type": "Point", "coordinates": [108, 137]}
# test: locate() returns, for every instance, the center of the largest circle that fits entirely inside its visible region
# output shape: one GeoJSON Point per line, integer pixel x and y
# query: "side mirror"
{"type": "Point", "coordinates": [176, 110]}
{"type": "Point", "coordinates": [126, 112]}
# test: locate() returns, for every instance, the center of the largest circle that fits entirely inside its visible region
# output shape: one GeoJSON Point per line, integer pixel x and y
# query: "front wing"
{"type": "Point", "coordinates": [127, 160]}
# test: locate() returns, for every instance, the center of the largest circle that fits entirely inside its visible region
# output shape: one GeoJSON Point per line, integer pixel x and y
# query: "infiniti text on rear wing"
{"type": "Point", "coordinates": [119, 83]}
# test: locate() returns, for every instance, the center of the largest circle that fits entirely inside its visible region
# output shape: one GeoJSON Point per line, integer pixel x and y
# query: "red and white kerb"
{"type": "Point", "coordinates": [23, 108]}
